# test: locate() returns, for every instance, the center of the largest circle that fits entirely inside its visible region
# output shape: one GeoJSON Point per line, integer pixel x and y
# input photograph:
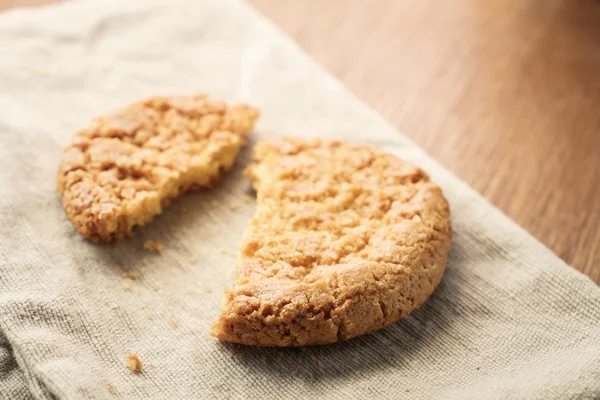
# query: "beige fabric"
{"type": "Point", "coordinates": [509, 320]}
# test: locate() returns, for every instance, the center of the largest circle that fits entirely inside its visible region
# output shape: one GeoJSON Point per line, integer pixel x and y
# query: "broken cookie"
{"type": "Point", "coordinates": [126, 167]}
{"type": "Point", "coordinates": [346, 240]}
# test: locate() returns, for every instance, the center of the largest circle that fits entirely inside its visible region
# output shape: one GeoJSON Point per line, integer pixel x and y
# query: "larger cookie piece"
{"type": "Point", "coordinates": [346, 240]}
{"type": "Point", "coordinates": [125, 167]}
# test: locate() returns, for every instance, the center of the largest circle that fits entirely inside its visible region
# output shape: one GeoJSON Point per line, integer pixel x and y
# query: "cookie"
{"type": "Point", "coordinates": [346, 240]}
{"type": "Point", "coordinates": [124, 168]}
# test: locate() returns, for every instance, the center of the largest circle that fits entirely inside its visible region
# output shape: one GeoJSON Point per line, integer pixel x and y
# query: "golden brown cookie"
{"type": "Point", "coordinates": [346, 240]}
{"type": "Point", "coordinates": [125, 167]}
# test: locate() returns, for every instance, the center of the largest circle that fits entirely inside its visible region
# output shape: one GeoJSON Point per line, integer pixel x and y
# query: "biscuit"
{"type": "Point", "coordinates": [124, 168]}
{"type": "Point", "coordinates": [346, 240]}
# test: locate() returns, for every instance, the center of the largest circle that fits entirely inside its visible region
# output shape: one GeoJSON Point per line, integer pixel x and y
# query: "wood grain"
{"type": "Point", "coordinates": [504, 94]}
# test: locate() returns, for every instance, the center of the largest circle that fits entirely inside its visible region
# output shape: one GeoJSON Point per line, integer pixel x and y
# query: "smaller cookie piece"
{"type": "Point", "coordinates": [126, 167]}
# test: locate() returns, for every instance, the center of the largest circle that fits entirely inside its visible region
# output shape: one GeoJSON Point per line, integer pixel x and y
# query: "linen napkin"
{"type": "Point", "coordinates": [509, 321]}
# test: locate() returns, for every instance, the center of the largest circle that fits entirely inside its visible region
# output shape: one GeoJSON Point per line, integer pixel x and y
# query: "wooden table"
{"type": "Point", "coordinates": [505, 94]}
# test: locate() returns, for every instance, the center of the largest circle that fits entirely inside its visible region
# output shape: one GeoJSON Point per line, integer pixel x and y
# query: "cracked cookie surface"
{"type": "Point", "coordinates": [346, 240]}
{"type": "Point", "coordinates": [125, 167]}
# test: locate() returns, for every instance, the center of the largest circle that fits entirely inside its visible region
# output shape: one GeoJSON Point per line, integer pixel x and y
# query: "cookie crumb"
{"type": "Point", "coordinates": [134, 363]}
{"type": "Point", "coordinates": [145, 261]}
{"type": "Point", "coordinates": [248, 199]}
{"type": "Point", "coordinates": [129, 274]}
{"type": "Point", "coordinates": [150, 315]}
{"type": "Point", "coordinates": [233, 207]}
{"type": "Point", "coordinates": [110, 387]}
{"type": "Point", "coordinates": [173, 323]}
{"type": "Point", "coordinates": [193, 259]}
{"type": "Point", "coordinates": [151, 365]}
{"type": "Point", "coordinates": [151, 245]}
{"type": "Point", "coordinates": [207, 289]}
{"type": "Point", "coordinates": [126, 286]}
